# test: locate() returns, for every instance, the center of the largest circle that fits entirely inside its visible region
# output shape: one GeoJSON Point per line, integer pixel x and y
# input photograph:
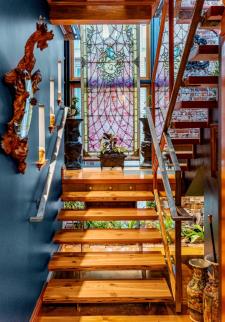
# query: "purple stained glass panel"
{"type": "Point", "coordinates": [110, 84]}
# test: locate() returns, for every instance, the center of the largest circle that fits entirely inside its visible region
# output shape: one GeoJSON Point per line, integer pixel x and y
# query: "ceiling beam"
{"type": "Point", "coordinates": [100, 11]}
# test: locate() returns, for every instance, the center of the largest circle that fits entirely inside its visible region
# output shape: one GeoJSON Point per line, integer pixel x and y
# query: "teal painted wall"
{"type": "Point", "coordinates": [25, 248]}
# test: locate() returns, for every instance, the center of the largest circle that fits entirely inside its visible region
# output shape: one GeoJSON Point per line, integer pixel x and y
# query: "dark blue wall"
{"type": "Point", "coordinates": [24, 247]}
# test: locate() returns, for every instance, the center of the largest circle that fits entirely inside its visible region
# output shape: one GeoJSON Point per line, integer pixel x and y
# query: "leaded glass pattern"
{"type": "Point", "coordinates": [110, 83]}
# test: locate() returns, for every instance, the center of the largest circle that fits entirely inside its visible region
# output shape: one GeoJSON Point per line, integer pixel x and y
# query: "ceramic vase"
{"type": "Point", "coordinates": [195, 289]}
{"type": "Point", "coordinates": [211, 292]}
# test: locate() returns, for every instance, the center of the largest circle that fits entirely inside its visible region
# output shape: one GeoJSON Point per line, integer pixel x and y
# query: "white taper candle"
{"type": "Point", "coordinates": [59, 77]}
{"type": "Point", "coordinates": [52, 96]}
{"type": "Point", "coordinates": [41, 126]}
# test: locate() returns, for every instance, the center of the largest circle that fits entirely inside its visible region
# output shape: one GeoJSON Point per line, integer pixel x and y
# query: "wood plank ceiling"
{"type": "Point", "coordinates": [69, 12]}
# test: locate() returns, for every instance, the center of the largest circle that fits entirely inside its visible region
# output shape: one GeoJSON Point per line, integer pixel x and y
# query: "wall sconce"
{"type": "Point", "coordinates": [59, 82]}
{"type": "Point", "coordinates": [52, 106]}
{"type": "Point", "coordinates": [41, 133]}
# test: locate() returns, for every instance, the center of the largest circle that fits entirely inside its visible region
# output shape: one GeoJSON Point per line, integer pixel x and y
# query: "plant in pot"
{"type": "Point", "coordinates": [111, 154]}
{"type": "Point", "coordinates": [74, 109]}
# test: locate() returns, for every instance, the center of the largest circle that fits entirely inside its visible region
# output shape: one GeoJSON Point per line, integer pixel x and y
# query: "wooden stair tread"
{"type": "Point", "coordinates": [183, 165]}
{"type": "Point", "coordinates": [121, 318]}
{"type": "Point", "coordinates": [186, 140]}
{"type": "Point", "coordinates": [105, 196]}
{"type": "Point", "coordinates": [105, 214]}
{"type": "Point", "coordinates": [106, 261]}
{"type": "Point", "coordinates": [214, 13]}
{"type": "Point", "coordinates": [201, 81]}
{"type": "Point", "coordinates": [96, 176]}
{"type": "Point", "coordinates": [189, 124]}
{"type": "Point", "coordinates": [183, 154]}
{"type": "Point", "coordinates": [196, 104]}
{"type": "Point", "coordinates": [106, 291]}
{"type": "Point", "coordinates": [204, 52]}
{"type": "Point", "coordinates": [107, 236]}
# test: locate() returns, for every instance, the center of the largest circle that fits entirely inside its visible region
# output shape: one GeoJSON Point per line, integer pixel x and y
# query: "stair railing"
{"type": "Point", "coordinates": [177, 213]}
{"type": "Point", "coordinates": [45, 194]}
{"type": "Point", "coordinates": [196, 18]}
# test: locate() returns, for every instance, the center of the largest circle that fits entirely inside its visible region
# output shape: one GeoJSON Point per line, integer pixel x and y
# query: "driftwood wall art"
{"type": "Point", "coordinates": [25, 84]}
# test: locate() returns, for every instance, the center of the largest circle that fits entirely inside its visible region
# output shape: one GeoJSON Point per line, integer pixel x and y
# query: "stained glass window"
{"type": "Point", "coordinates": [110, 82]}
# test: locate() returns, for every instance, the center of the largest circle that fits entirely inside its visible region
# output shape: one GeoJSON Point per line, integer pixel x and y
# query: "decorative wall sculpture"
{"type": "Point", "coordinates": [25, 84]}
{"type": "Point", "coordinates": [110, 66]}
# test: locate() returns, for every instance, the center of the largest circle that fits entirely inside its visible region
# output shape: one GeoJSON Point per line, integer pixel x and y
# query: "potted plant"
{"type": "Point", "coordinates": [111, 154]}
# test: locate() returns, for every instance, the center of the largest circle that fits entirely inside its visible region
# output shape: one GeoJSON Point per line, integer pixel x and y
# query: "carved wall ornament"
{"type": "Point", "coordinates": [25, 83]}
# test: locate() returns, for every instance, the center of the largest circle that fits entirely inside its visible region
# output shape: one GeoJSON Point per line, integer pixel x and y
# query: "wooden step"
{"type": "Point", "coordinates": [183, 154]}
{"type": "Point", "coordinates": [106, 196]}
{"type": "Point", "coordinates": [106, 261]}
{"type": "Point", "coordinates": [98, 176]}
{"type": "Point", "coordinates": [212, 18]}
{"type": "Point", "coordinates": [189, 124]}
{"type": "Point", "coordinates": [214, 13]}
{"type": "Point", "coordinates": [204, 52]}
{"type": "Point", "coordinates": [201, 81]}
{"type": "Point", "coordinates": [107, 214]}
{"type": "Point", "coordinates": [183, 165]}
{"type": "Point", "coordinates": [107, 236]}
{"type": "Point", "coordinates": [197, 104]}
{"type": "Point", "coordinates": [121, 318]}
{"type": "Point", "coordinates": [106, 291]}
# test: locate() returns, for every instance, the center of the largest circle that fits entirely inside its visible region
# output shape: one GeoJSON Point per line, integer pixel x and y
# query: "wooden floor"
{"type": "Point", "coordinates": [144, 318]}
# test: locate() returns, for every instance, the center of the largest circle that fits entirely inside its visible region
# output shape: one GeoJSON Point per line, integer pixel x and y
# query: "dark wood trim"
{"type": "Point", "coordinates": [38, 305]}
{"type": "Point", "coordinates": [214, 149]}
{"type": "Point", "coordinates": [67, 72]}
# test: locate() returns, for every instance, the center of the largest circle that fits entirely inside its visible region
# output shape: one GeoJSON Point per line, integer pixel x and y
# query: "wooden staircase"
{"type": "Point", "coordinates": [104, 191]}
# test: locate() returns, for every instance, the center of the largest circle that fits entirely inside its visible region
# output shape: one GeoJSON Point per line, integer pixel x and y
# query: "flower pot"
{"type": "Point", "coordinates": [112, 160]}
{"type": "Point", "coordinates": [211, 292]}
{"type": "Point", "coordinates": [195, 289]}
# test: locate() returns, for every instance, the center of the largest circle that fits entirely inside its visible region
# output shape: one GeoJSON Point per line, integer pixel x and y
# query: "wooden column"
{"type": "Point", "coordinates": [222, 169]}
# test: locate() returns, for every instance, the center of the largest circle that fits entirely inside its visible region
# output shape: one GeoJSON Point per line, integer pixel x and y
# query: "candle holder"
{"type": "Point", "coordinates": [42, 161]}
{"type": "Point", "coordinates": [52, 125]}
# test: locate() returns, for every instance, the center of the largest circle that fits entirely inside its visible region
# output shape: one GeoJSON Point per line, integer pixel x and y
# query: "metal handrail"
{"type": "Point", "coordinates": [45, 194]}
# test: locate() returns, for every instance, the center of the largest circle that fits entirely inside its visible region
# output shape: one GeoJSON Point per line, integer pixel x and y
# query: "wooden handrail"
{"type": "Point", "coordinates": [45, 194]}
